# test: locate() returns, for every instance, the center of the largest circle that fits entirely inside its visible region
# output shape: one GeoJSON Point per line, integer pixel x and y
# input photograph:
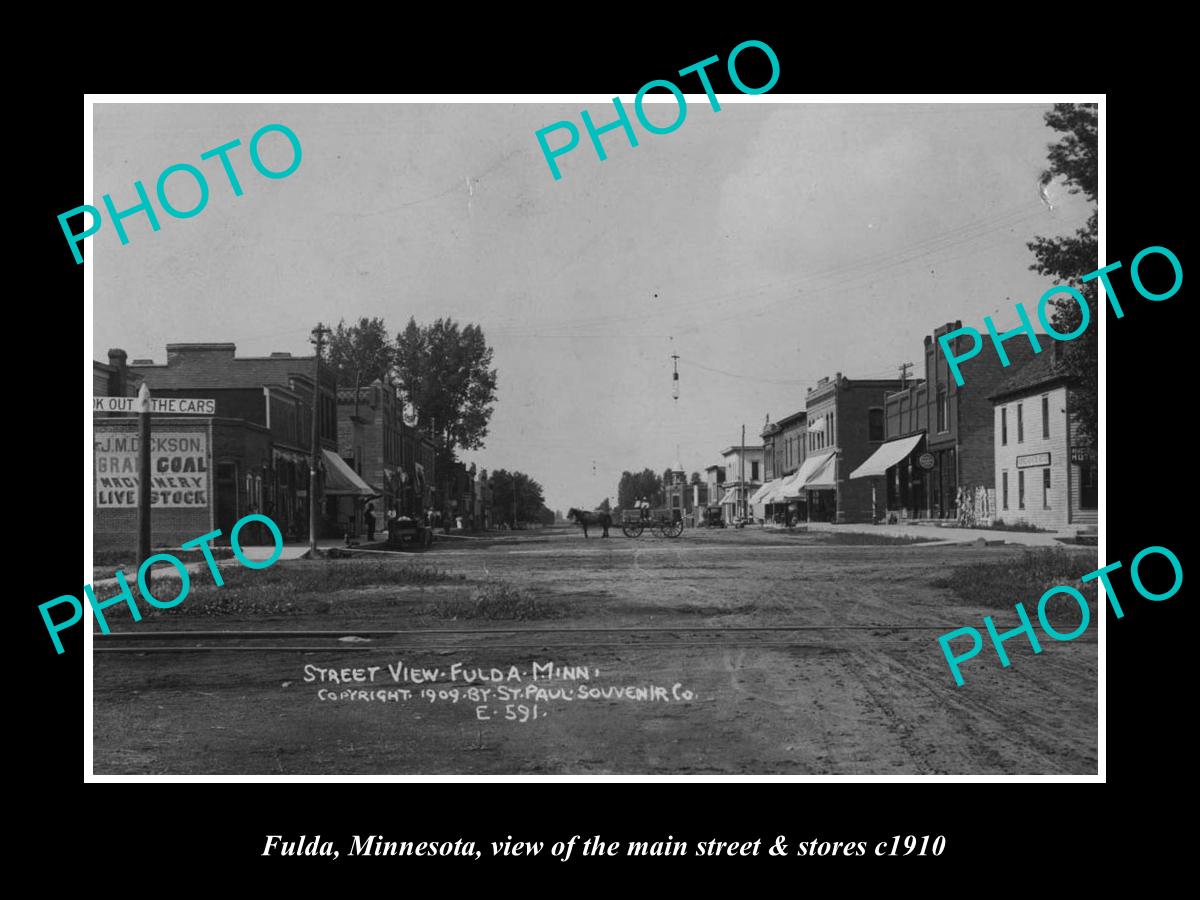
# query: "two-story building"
{"type": "Point", "coordinates": [276, 393]}
{"type": "Point", "coordinates": [1044, 476]}
{"type": "Point", "coordinates": [844, 427]}
{"type": "Point", "coordinates": [785, 447]}
{"type": "Point", "coordinates": [937, 460]}
{"type": "Point", "coordinates": [743, 471]}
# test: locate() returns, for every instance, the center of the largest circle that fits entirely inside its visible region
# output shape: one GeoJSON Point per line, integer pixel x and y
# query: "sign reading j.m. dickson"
{"type": "Point", "coordinates": [178, 469]}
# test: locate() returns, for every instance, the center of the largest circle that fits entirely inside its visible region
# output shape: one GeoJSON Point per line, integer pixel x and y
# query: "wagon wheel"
{"type": "Point", "coordinates": [673, 529]}
{"type": "Point", "coordinates": [632, 531]}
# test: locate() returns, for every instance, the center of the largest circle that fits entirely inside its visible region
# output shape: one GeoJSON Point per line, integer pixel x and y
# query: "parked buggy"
{"type": "Point", "coordinates": [407, 531]}
{"type": "Point", "coordinates": [665, 522]}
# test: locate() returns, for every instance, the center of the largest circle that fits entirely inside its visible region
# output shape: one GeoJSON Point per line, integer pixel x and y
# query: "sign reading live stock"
{"type": "Point", "coordinates": [178, 463]}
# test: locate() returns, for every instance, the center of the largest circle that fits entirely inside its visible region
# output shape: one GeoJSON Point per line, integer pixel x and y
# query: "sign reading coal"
{"type": "Point", "coordinates": [178, 467]}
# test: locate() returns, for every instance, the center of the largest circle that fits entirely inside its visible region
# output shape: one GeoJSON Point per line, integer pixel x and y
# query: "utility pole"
{"type": "Point", "coordinates": [143, 500]}
{"type": "Point", "coordinates": [904, 367]}
{"type": "Point", "coordinates": [742, 469]}
{"type": "Point", "coordinates": [319, 340]}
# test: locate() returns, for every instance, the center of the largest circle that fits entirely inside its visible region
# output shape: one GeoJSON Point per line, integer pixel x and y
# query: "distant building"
{"type": "Point", "coordinates": [1044, 476]}
{"type": "Point", "coordinates": [684, 497]}
{"type": "Point", "coordinates": [784, 451]}
{"type": "Point", "coordinates": [743, 467]}
{"type": "Point", "coordinates": [714, 477]}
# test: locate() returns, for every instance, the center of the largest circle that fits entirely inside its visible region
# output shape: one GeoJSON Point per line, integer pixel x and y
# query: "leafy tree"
{"type": "Point", "coordinates": [647, 484]}
{"type": "Point", "coordinates": [363, 351]}
{"type": "Point", "coordinates": [1074, 159]}
{"type": "Point", "coordinates": [445, 373]}
{"type": "Point", "coordinates": [695, 479]}
{"type": "Point", "coordinates": [507, 486]}
{"type": "Point", "coordinates": [605, 505]}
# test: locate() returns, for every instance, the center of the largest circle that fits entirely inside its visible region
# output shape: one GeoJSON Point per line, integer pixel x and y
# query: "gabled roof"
{"type": "Point", "coordinates": [1042, 371]}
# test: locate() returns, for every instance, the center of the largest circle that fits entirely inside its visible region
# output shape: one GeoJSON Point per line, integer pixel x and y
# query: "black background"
{"type": "Point", "coordinates": [995, 832]}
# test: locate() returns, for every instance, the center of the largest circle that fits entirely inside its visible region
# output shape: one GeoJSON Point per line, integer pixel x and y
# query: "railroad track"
{"type": "Point", "coordinates": [540, 639]}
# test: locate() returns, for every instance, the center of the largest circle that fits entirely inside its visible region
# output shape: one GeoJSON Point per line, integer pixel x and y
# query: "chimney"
{"type": "Point", "coordinates": [214, 352]}
{"type": "Point", "coordinates": [118, 380]}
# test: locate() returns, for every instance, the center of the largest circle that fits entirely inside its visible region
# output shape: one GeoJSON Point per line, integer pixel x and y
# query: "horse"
{"type": "Point", "coordinates": [580, 517]}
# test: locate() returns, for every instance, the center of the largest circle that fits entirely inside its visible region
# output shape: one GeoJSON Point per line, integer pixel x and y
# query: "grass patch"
{"type": "Point", "coordinates": [295, 588]}
{"type": "Point", "coordinates": [1001, 525]}
{"type": "Point", "coordinates": [863, 539]}
{"type": "Point", "coordinates": [1023, 578]}
{"type": "Point", "coordinates": [500, 600]}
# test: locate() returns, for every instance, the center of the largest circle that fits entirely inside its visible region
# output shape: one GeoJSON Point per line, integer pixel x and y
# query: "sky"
{"type": "Point", "coordinates": [768, 245]}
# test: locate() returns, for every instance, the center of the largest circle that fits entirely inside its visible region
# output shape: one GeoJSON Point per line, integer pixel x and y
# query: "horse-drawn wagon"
{"type": "Point", "coordinates": [664, 521]}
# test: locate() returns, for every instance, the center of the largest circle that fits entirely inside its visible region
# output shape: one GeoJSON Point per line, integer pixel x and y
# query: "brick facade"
{"type": "Point", "coordinates": [846, 416]}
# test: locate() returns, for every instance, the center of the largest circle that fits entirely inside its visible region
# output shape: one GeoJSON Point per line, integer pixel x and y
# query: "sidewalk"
{"type": "Point", "coordinates": [949, 535]}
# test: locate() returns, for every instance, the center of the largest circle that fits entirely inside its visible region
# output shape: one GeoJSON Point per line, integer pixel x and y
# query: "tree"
{"type": "Point", "coordinates": [445, 373]}
{"type": "Point", "coordinates": [695, 479]}
{"type": "Point", "coordinates": [361, 353]}
{"type": "Point", "coordinates": [647, 484]}
{"type": "Point", "coordinates": [527, 493]}
{"type": "Point", "coordinates": [605, 505]}
{"type": "Point", "coordinates": [1074, 159]}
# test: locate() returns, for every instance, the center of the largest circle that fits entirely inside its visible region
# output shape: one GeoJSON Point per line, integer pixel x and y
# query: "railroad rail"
{"type": "Point", "coordinates": [472, 639]}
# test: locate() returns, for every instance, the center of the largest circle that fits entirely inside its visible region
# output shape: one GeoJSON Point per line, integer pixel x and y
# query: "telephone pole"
{"type": "Point", "coordinates": [904, 367]}
{"type": "Point", "coordinates": [143, 499]}
{"type": "Point", "coordinates": [742, 469]}
{"type": "Point", "coordinates": [319, 340]}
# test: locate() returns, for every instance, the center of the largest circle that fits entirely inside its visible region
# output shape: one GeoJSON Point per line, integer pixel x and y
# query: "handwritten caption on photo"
{"type": "Point", "coordinates": [507, 694]}
{"type": "Point", "coordinates": [125, 595]}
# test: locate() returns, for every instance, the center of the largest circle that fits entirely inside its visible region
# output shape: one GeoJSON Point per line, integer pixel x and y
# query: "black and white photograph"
{"type": "Point", "coordinates": [696, 434]}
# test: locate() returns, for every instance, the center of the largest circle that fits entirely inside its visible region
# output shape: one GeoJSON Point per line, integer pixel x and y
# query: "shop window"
{"type": "Point", "coordinates": [1004, 489]}
{"type": "Point", "coordinates": [1045, 488]}
{"type": "Point", "coordinates": [1004, 426]}
{"type": "Point", "coordinates": [1045, 415]}
{"type": "Point", "coordinates": [1021, 489]}
{"type": "Point", "coordinates": [875, 425]}
{"type": "Point", "coordinates": [1020, 423]}
{"type": "Point", "coordinates": [1088, 486]}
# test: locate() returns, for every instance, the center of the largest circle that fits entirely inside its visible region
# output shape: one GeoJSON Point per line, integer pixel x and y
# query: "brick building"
{"type": "Point", "coordinates": [188, 495]}
{"type": "Point", "coordinates": [938, 460]}
{"type": "Point", "coordinates": [275, 393]}
{"type": "Point", "coordinates": [844, 427]}
{"type": "Point", "coordinates": [785, 447]}
{"type": "Point", "coordinates": [1044, 476]}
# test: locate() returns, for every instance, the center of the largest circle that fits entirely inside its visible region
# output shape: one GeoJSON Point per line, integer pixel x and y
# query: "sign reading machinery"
{"type": "Point", "coordinates": [178, 466]}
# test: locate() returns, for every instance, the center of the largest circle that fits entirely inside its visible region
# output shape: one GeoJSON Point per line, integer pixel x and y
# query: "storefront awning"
{"type": "Point", "coordinates": [343, 481]}
{"type": "Point", "coordinates": [824, 478]}
{"type": "Point", "coordinates": [887, 456]}
{"type": "Point", "coordinates": [816, 425]}
{"type": "Point", "coordinates": [769, 492]}
{"type": "Point", "coordinates": [815, 467]}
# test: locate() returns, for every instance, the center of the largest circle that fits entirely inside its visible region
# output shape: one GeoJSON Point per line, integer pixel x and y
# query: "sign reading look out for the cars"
{"type": "Point", "coordinates": [167, 405]}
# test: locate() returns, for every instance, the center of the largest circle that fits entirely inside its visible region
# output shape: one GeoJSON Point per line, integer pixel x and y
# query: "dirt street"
{"type": "Point", "coordinates": [728, 652]}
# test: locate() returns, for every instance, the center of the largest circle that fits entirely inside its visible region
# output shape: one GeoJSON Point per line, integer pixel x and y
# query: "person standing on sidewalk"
{"type": "Point", "coordinates": [369, 515]}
